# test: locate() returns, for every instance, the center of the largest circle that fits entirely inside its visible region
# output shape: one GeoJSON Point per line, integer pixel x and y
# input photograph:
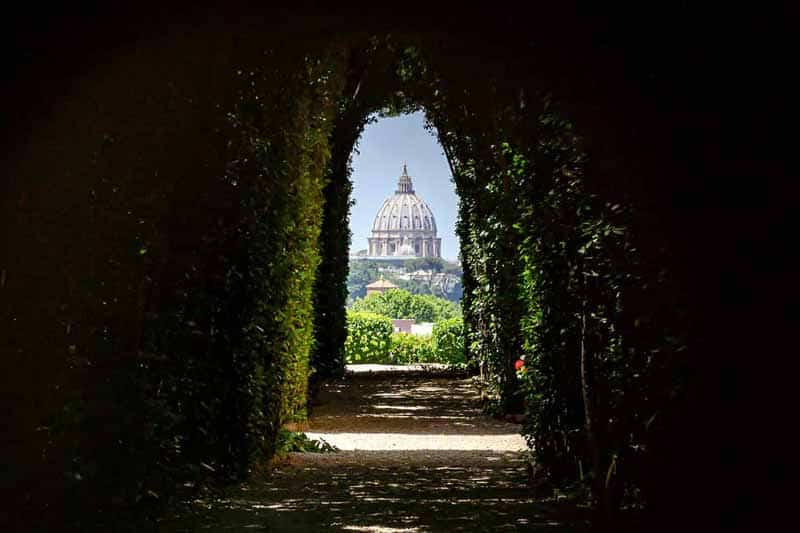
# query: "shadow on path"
{"type": "Point", "coordinates": [417, 455]}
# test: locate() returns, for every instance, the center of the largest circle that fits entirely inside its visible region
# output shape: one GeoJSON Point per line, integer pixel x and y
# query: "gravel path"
{"type": "Point", "coordinates": [416, 455]}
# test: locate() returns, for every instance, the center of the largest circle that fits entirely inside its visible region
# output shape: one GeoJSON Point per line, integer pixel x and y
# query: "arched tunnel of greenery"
{"type": "Point", "coordinates": [174, 259]}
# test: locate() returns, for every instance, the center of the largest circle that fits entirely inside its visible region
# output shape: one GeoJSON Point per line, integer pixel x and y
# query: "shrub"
{"type": "Point", "coordinates": [368, 338]}
{"type": "Point", "coordinates": [398, 303]}
{"type": "Point", "coordinates": [290, 442]}
{"type": "Point", "coordinates": [409, 349]}
{"type": "Point", "coordinates": [447, 341]}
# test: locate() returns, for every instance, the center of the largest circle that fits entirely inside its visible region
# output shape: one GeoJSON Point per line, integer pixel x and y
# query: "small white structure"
{"type": "Point", "coordinates": [424, 328]}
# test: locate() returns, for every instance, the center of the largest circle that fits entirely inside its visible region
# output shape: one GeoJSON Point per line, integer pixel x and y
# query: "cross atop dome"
{"type": "Point", "coordinates": [404, 184]}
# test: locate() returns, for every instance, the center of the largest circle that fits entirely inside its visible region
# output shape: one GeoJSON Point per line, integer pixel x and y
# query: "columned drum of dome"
{"type": "Point", "coordinates": [404, 225]}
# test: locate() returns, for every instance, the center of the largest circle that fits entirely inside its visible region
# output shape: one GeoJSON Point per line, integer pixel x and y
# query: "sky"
{"type": "Point", "coordinates": [378, 162]}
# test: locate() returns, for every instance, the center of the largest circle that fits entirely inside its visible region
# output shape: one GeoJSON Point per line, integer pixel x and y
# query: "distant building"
{"type": "Point", "coordinates": [424, 328]}
{"type": "Point", "coordinates": [403, 325]}
{"type": "Point", "coordinates": [404, 225]}
{"type": "Point", "coordinates": [410, 326]}
{"type": "Point", "coordinates": [380, 286]}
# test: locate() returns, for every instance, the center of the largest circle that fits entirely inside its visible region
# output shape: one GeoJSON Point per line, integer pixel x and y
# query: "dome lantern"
{"type": "Point", "coordinates": [404, 184]}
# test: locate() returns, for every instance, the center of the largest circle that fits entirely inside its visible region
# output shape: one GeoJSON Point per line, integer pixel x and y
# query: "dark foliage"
{"type": "Point", "coordinates": [619, 184]}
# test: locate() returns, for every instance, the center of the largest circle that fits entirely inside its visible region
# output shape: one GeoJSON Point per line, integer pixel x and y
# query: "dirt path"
{"type": "Point", "coordinates": [416, 455]}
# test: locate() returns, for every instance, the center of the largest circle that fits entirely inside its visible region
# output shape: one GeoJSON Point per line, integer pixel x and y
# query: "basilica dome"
{"type": "Point", "coordinates": [404, 225]}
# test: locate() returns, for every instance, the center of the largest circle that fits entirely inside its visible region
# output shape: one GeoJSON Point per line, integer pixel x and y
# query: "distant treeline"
{"type": "Point", "coordinates": [444, 282]}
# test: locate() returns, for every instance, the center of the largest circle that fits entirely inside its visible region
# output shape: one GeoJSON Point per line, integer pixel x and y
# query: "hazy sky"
{"type": "Point", "coordinates": [382, 150]}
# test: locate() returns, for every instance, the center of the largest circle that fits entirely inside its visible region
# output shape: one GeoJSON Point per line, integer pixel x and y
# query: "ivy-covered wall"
{"type": "Point", "coordinates": [159, 309]}
{"type": "Point", "coordinates": [282, 123]}
{"type": "Point", "coordinates": [561, 277]}
{"type": "Point", "coordinates": [369, 77]}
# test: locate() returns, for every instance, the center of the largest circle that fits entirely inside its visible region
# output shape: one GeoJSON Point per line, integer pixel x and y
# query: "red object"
{"type": "Point", "coordinates": [519, 364]}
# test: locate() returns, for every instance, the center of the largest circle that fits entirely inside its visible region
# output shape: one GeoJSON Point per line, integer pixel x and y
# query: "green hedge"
{"type": "Point", "coordinates": [368, 338]}
{"type": "Point", "coordinates": [448, 341]}
{"type": "Point", "coordinates": [408, 349]}
{"type": "Point", "coordinates": [331, 288]}
{"type": "Point", "coordinates": [228, 357]}
{"type": "Point", "coordinates": [279, 165]}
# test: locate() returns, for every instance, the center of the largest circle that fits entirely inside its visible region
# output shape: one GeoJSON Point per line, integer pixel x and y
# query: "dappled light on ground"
{"type": "Point", "coordinates": [443, 466]}
{"type": "Point", "coordinates": [404, 441]}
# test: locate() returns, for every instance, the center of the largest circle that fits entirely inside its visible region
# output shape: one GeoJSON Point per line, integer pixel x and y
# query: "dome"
{"type": "Point", "coordinates": [405, 210]}
{"type": "Point", "coordinates": [404, 225]}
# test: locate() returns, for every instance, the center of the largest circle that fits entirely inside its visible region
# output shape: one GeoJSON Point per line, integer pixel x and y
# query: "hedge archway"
{"type": "Point", "coordinates": [159, 282]}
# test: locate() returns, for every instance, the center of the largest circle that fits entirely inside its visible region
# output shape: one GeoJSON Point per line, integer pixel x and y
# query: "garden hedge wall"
{"type": "Point", "coordinates": [182, 318]}
{"type": "Point", "coordinates": [369, 338]}
{"type": "Point", "coordinates": [407, 349]}
{"type": "Point", "coordinates": [448, 341]}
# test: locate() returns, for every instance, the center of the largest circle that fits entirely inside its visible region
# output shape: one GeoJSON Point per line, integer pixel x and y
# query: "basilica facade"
{"type": "Point", "coordinates": [404, 225]}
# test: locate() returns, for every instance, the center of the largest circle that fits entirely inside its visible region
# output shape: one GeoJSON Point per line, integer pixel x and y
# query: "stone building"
{"type": "Point", "coordinates": [404, 225]}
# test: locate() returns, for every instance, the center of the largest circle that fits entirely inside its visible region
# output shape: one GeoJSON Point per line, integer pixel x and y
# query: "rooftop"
{"type": "Point", "coordinates": [382, 284]}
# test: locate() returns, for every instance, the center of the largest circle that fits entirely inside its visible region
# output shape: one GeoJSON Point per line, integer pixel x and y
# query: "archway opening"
{"type": "Point", "coordinates": [404, 262]}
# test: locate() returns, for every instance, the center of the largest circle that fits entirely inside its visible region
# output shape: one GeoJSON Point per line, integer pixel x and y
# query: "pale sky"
{"type": "Point", "coordinates": [383, 148]}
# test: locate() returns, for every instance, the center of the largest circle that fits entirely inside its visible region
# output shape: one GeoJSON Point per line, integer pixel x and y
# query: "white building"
{"type": "Point", "coordinates": [423, 328]}
{"type": "Point", "coordinates": [404, 225]}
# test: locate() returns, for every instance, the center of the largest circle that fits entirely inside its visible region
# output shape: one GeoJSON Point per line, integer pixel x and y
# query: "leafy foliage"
{"type": "Point", "coordinates": [444, 345]}
{"type": "Point", "coordinates": [292, 442]}
{"type": "Point", "coordinates": [367, 342]}
{"type": "Point", "coordinates": [554, 274]}
{"type": "Point", "coordinates": [224, 355]}
{"type": "Point", "coordinates": [361, 274]}
{"type": "Point", "coordinates": [368, 337]}
{"type": "Point", "coordinates": [448, 341]}
{"type": "Point", "coordinates": [218, 304]}
{"type": "Point", "coordinates": [397, 303]}
{"type": "Point", "coordinates": [407, 349]}
{"type": "Point", "coordinates": [332, 282]}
